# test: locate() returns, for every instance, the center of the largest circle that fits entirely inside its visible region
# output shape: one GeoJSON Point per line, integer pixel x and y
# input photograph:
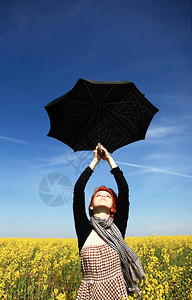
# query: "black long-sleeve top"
{"type": "Point", "coordinates": [82, 225]}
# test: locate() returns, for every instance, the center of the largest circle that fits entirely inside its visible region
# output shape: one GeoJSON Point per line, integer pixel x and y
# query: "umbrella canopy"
{"type": "Point", "coordinates": [112, 113]}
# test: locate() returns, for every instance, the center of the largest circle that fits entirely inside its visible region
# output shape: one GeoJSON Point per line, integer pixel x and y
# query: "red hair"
{"type": "Point", "coordinates": [113, 195]}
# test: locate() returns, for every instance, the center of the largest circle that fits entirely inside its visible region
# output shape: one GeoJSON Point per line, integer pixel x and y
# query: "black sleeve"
{"type": "Point", "coordinates": [82, 224]}
{"type": "Point", "coordinates": [122, 206]}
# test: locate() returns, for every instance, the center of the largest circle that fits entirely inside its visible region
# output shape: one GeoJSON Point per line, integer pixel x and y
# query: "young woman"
{"type": "Point", "coordinates": [110, 268]}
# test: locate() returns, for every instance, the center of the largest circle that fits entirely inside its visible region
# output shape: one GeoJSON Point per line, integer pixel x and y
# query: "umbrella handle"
{"type": "Point", "coordinates": [100, 151]}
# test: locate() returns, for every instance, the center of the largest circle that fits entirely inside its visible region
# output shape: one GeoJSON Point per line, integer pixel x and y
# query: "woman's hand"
{"type": "Point", "coordinates": [96, 158]}
{"type": "Point", "coordinates": [97, 154]}
{"type": "Point", "coordinates": [104, 154]}
{"type": "Point", "coordinates": [101, 153]}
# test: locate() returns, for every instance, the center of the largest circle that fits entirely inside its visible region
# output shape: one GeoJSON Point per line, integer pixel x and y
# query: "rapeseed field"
{"type": "Point", "coordinates": [50, 269]}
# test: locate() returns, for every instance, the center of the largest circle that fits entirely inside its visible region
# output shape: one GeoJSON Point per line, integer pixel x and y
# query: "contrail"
{"type": "Point", "coordinates": [10, 139]}
{"type": "Point", "coordinates": [154, 169]}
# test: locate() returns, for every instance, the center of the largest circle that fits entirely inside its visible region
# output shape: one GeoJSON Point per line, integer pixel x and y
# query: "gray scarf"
{"type": "Point", "coordinates": [130, 263]}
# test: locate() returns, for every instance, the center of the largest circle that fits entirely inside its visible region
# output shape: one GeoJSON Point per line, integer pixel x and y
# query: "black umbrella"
{"type": "Point", "coordinates": [112, 113]}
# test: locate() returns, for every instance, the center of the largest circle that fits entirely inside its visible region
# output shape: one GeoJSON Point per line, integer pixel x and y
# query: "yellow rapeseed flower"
{"type": "Point", "coordinates": [50, 268]}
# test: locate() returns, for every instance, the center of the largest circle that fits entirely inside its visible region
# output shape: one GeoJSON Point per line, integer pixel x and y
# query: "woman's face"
{"type": "Point", "coordinates": [102, 199]}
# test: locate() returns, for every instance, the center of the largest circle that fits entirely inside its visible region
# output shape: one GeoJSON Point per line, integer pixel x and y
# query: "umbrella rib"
{"type": "Point", "coordinates": [107, 94]}
{"type": "Point", "coordinates": [88, 123]}
{"type": "Point", "coordinates": [76, 114]}
{"type": "Point", "coordinates": [118, 102]}
{"type": "Point", "coordinates": [77, 101]}
{"type": "Point", "coordinates": [105, 121]}
{"type": "Point", "coordinates": [121, 116]}
{"type": "Point", "coordinates": [90, 93]}
{"type": "Point", "coordinates": [117, 114]}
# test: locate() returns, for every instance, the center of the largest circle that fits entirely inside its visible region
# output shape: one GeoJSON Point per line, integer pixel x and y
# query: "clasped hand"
{"type": "Point", "coordinates": [101, 153]}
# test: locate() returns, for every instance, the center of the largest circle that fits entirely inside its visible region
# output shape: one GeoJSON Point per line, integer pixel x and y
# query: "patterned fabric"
{"type": "Point", "coordinates": [102, 274]}
{"type": "Point", "coordinates": [131, 266]}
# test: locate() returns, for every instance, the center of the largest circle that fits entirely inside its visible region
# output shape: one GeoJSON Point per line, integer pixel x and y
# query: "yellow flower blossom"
{"type": "Point", "coordinates": [50, 269]}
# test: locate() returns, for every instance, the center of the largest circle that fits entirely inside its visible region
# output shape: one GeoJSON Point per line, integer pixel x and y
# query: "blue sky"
{"type": "Point", "coordinates": [45, 46]}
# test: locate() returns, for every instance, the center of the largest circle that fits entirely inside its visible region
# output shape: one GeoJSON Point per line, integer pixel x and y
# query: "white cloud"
{"type": "Point", "coordinates": [162, 131]}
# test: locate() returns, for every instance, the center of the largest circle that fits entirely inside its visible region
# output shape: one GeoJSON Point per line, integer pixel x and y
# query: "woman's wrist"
{"type": "Point", "coordinates": [93, 163]}
{"type": "Point", "coordinates": [111, 162]}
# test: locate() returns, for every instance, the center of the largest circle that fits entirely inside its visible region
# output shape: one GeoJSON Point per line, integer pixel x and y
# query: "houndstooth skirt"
{"type": "Point", "coordinates": [102, 274]}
